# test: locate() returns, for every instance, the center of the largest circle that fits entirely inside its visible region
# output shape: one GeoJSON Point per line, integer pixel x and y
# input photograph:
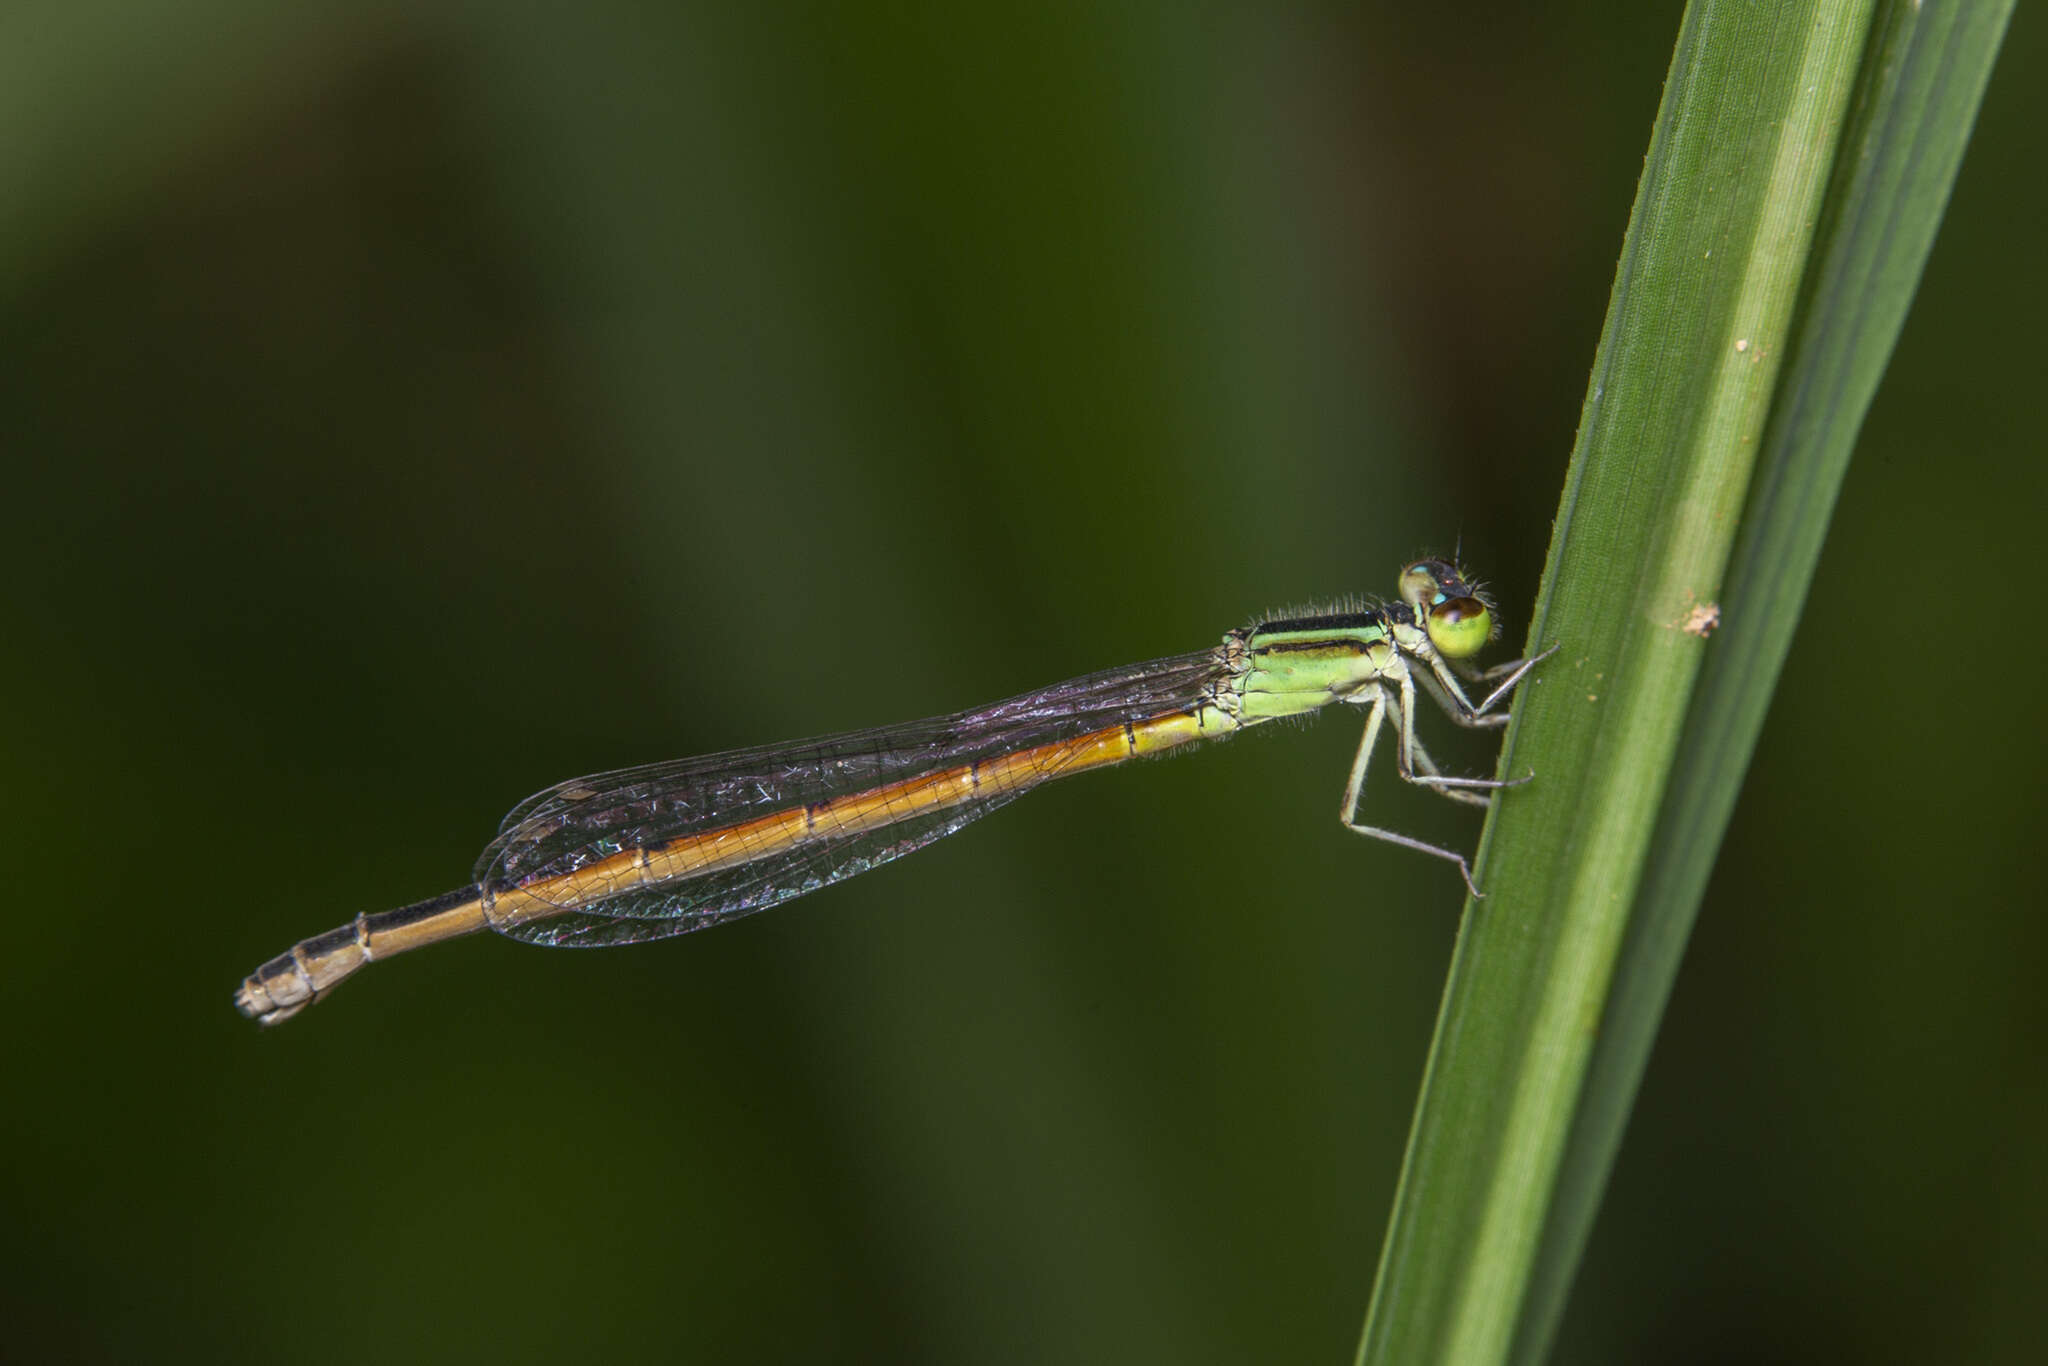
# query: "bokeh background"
{"type": "Point", "coordinates": [407, 406]}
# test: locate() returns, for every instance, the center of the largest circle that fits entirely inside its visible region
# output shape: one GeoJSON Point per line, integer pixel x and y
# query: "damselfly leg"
{"type": "Point", "coordinates": [1412, 758]}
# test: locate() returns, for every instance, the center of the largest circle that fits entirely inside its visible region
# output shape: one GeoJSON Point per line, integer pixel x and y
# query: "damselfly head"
{"type": "Point", "coordinates": [1457, 613]}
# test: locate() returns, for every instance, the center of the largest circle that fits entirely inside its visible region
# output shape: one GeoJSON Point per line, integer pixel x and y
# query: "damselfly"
{"type": "Point", "coordinates": [646, 853]}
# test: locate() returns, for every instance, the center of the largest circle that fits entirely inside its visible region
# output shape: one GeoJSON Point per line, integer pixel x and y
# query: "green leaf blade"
{"type": "Point", "coordinates": [1923, 79]}
{"type": "Point", "coordinates": [1757, 269]}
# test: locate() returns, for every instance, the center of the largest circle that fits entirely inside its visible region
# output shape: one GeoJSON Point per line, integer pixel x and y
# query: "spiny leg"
{"type": "Point", "coordinates": [1459, 710]}
{"type": "Point", "coordinates": [1510, 674]}
{"type": "Point", "coordinates": [1442, 682]}
{"type": "Point", "coordinates": [1429, 768]}
{"type": "Point", "coordinates": [1431, 777]}
{"type": "Point", "coordinates": [1347, 812]}
{"type": "Point", "coordinates": [1473, 674]}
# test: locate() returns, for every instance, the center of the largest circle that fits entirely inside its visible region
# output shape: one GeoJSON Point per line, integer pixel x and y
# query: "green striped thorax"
{"type": "Point", "coordinates": [1299, 665]}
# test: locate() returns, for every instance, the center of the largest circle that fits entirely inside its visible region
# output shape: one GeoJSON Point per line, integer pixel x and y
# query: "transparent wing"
{"type": "Point", "coordinates": [586, 821]}
{"type": "Point", "coordinates": [713, 898]}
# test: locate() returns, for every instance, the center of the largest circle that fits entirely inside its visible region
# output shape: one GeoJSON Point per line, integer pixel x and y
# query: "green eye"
{"type": "Point", "coordinates": [1460, 627]}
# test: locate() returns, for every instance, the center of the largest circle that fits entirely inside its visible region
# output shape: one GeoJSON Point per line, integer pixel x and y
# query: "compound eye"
{"type": "Point", "coordinates": [1460, 627]}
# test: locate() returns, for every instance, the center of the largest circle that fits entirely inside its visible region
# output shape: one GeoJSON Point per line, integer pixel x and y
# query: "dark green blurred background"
{"type": "Point", "coordinates": [409, 406]}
